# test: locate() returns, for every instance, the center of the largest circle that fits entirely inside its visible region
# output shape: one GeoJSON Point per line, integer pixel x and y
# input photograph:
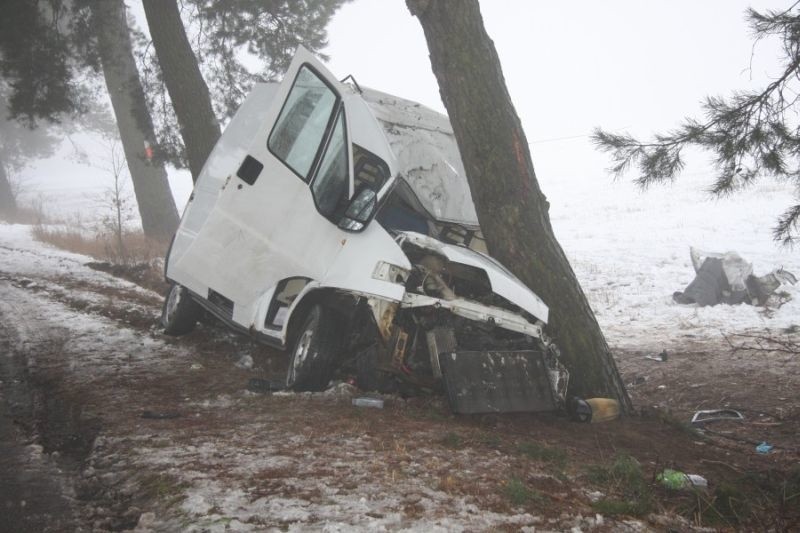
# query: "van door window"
{"type": "Point", "coordinates": [331, 185]}
{"type": "Point", "coordinates": [301, 126]}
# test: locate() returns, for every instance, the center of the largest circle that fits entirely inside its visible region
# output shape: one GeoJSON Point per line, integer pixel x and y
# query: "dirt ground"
{"type": "Point", "coordinates": [107, 424]}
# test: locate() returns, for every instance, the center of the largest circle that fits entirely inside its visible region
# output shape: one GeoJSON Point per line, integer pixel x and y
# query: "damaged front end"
{"type": "Point", "coordinates": [465, 325]}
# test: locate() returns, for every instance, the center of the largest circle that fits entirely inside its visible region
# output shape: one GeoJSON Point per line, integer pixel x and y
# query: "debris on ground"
{"type": "Point", "coordinates": [264, 386]}
{"type": "Point", "coordinates": [245, 362]}
{"type": "Point", "coordinates": [593, 410]}
{"type": "Point", "coordinates": [677, 480]}
{"type": "Point", "coordinates": [714, 415]}
{"type": "Point", "coordinates": [375, 403]}
{"type": "Point", "coordinates": [764, 448]}
{"type": "Point", "coordinates": [661, 358]}
{"type": "Point", "coordinates": [728, 279]}
{"type": "Point", "coordinates": [160, 415]}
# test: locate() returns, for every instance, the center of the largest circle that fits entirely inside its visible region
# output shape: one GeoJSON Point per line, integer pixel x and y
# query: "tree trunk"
{"type": "Point", "coordinates": [512, 210]}
{"type": "Point", "coordinates": [185, 84]}
{"type": "Point", "coordinates": [153, 196]}
{"type": "Point", "coordinates": [8, 204]}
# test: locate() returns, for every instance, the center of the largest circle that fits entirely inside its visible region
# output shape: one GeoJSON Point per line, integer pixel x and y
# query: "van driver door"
{"type": "Point", "coordinates": [276, 216]}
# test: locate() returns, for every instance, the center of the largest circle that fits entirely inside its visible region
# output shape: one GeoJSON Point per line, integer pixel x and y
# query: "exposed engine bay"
{"type": "Point", "coordinates": [453, 331]}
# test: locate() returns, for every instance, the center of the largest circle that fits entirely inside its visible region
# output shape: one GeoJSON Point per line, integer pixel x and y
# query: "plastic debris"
{"type": "Point", "coordinates": [677, 480]}
{"type": "Point", "coordinates": [661, 358]}
{"type": "Point", "coordinates": [697, 481]}
{"type": "Point", "coordinates": [764, 448]}
{"type": "Point", "coordinates": [593, 409]}
{"type": "Point", "coordinates": [714, 415]}
{"type": "Point", "coordinates": [245, 362]}
{"type": "Point", "coordinates": [375, 403]}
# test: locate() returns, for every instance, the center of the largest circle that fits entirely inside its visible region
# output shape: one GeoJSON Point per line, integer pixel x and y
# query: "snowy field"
{"type": "Point", "coordinates": [630, 250]}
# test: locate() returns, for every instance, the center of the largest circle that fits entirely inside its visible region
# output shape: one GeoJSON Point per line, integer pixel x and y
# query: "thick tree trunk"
{"type": "Point", "coordinates": [512, 210]}
{"type": "Point", "coordinates": [153, 196]}
{"type": "Point", "coordinates": [185, 84]}
{"type": "Point", "coordinates": [8, 204]}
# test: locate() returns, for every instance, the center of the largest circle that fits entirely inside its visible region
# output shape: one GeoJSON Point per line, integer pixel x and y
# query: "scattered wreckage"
{"type": "Point", "coordinates": [336, 222]}
{"type": "Point", "coordinates": [728, 279]}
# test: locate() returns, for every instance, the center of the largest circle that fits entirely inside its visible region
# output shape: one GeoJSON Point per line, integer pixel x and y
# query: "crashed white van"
{"type": "Point", "coordinates": [337, 223]}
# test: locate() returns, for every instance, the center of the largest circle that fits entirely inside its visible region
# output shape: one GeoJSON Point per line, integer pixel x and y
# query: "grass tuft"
{"type": "Point", "coordinates": [452, 440]}
{"type": "Point", "coordinates": [546, 454]}
{"type": "Point", "coordinates": [624, 476]}
{"type": "Point", "coordinates": [520, 494]}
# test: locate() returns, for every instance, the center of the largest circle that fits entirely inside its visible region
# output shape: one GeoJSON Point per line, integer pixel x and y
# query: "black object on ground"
{"type": "Point", "coordinates": [264, 386]}
{"type": "Point", "coordinates": [497, 382]}
{"type": "Point", "coordinates": [163, 415]}
{"type": "Point", "coordinates": [708, 287]}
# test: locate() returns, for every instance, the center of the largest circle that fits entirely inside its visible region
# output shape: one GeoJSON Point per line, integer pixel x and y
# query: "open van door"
{"type": "Point", "coordinates": [278, 214]}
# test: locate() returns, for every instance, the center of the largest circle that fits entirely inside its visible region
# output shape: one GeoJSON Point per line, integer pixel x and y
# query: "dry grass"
{"type": "Point", "coordinates": [30, 212]}
{"type": "Point", "coordinates": [135, 248]}
{"type": "Point", "coordinates": [137, 258]}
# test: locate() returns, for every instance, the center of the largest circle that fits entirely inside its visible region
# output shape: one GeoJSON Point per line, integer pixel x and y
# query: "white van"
{"type": "Point", "coordinates": [337, 223]}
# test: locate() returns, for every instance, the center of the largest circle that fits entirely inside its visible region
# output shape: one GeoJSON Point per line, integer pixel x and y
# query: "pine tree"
{"type": "Point", "coordinates": [51, 52]}
{"type": "Point", "coordinates": [512, 210]}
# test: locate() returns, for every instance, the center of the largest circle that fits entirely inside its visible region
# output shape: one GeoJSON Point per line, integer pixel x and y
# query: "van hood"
{"type": "Point", "coordinates": [427, 156]}
{"type": "Point", "coordinates": [503, 282]}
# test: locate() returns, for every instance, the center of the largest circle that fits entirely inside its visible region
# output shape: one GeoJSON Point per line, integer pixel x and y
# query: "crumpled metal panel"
{"type": "Point", "coordinates": [427, 156]}
{"type": "Point", "coordinates": [497, 381]}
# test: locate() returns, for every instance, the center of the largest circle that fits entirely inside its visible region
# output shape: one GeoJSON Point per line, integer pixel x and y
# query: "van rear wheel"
{"type": "Point", "coordinates": [180, 312]}
{"type": "Point", "coordinates": [314, 352]}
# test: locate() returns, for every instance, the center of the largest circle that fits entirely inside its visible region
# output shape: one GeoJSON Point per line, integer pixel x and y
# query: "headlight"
{"type": "Point", "coordinates": [388, 272]}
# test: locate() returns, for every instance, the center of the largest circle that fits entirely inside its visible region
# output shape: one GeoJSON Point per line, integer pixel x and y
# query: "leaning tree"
{"type": "Point", "coordinates": [50, 54]}
{"type": "Point", "coordinates": [512, 210]}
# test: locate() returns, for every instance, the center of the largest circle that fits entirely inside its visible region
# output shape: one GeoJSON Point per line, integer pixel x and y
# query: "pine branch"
{"type": "Point", "coordinates": [752, 134]}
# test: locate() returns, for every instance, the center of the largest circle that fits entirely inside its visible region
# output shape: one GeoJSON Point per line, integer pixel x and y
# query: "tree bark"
{"type": "Point", "coordinates": [512, 210]}
{"type": "Point", "coordinates": [185, 84]}
{"type": "Point", "coordinates": [8, 204]}
{"type": "Point", "coordinates": [153, 196]}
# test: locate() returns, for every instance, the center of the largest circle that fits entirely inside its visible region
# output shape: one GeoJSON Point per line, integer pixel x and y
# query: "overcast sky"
{"type": "Point", "coordinates": [572, 66]}
{"type": "Point", "coordinates": [625, 65]}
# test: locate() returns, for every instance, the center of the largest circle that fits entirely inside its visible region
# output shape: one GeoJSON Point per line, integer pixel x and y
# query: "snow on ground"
{"type": "Point", "coordinates": [291, 467]}
{"type": "Point", "coordinates": [630, 251]}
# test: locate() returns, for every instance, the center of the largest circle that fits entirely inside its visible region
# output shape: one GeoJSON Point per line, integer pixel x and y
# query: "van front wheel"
{"type": "Point", "coordinates": [311, 364]}
{"type": "Point", "coordinates": [180, 312]}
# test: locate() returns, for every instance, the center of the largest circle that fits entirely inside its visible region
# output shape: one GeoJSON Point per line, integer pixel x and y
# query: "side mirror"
{"type": "Point", "coordinates": [360, 210]}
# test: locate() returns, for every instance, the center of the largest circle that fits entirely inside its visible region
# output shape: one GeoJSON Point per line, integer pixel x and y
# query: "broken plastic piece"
{"type": "Point", "coordinates": [713, 415]}
{"type": "Point", "coordinates": [662, 357]}
{"type": "Point", "coordinates": [375, 403]}
{"type": "Point", "coordinates": [764, 448]}
{"type": "Point", "coordinates": [593, 409]}
{"type": "Point", "coordinates": [677, 480]}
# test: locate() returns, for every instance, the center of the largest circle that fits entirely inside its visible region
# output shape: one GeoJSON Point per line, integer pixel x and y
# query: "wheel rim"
{"type": "Point", "coordinates": [300, 353]}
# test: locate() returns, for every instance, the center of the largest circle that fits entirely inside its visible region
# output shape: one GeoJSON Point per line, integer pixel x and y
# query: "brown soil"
{"type": "Point", "coordinates": [482, 458]}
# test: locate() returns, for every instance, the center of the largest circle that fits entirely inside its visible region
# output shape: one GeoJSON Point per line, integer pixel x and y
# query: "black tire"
{"type": "Point", "coordinates": [314, 351]}
{"type": "Point", "coordinates": [180, 312]}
